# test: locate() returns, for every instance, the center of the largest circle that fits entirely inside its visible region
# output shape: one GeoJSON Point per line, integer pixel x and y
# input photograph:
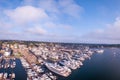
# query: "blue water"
{"type": "Point", "coordinates": [19, 71]}
{"type": "Point", "coordinates": [104, 66]}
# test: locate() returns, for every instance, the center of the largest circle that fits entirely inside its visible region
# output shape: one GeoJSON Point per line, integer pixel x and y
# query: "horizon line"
{"type": "Point", "coordinates": [49, 41]}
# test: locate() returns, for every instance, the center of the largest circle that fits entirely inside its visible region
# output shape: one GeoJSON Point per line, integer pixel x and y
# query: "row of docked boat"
{"type": "Point", "coordinates": [36, 72]}
{"type": "Point", "coordinates": [6, 76]}
{"type": "Point", "coordinates": [8, 65]}
{"type": "Point", "coordinates": [43, 77]}
{"type": "Point", "coordinates": [72, 64]}
{"type": "Point", "coordinates": [33, 75]}
{"type": "Point", "coordinates": [64, 66]}
{"type": "Point", "coordinates": [5, 66]}
{"type": "Point", "coordinates": [24, 63]}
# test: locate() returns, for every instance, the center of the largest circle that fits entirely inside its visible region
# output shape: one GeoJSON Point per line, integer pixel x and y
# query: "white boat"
{"type": "Point", "coordinates": [13, 75]}
{"type": "Point", "coordinates": [9, 75]}
{"type": "Point", "coordinates": [2, 66]}
{"type": "Point", "coordinates": [12, 66]}
{"type": "Point", "coordinates": [8, 65]}
{"type": "Point", "coordinates": [100, 51]}
{"type": "Point", "coordinates": [14, 63]}
{"type": "Point", "coordinates": [5, 75]}
{"type": "Point", "coordinates": [5, 66]}
{"type": "Point", "coordinates": [14, 58]}
{"type": "Point", "coordinates": [81, 59]}
{"type": "Point", "coordinates": [60, 70]}
{"type": "Point", "coordinates": [1, 75]}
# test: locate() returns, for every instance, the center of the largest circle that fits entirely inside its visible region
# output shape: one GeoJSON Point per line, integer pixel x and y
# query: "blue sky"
{"type": "Point", "coordinates": [93, 21]}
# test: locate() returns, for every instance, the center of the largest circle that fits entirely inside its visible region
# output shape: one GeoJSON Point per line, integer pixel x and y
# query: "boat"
{"type": "Point", "coordinates": [13, 75]}
{"type": "Point", "coordinates": [2, 66]}
{"type": "Point", "coordinates": [81, 58]}
{"type": "Point", "coordinates": [9, 75]}
{"type": "Point", "coordinates": [50, 75]}
{"type": "Point", "coordinates": [5, 66]}
{"type": "Point", "coordinates": [1, 75]}
{"type": "Point", "coordinates": [69, 64]}
{"type": "Point", "coordinates": [12, 66]}
{"type": "Point", "coordinates": [100, 51]}
{"type": "Point", "coordinates": [14, 63]}
{"type": "Point", "coordinates": [5, 75]}
{"type": "Point", "coordinates": [60, 70]}
{"type": "Point", "coordinates": [14, 59]}
{"type": "Point", "coordinates": [80, 63]}
{"type": "Point", "coordinates": [8, 65]}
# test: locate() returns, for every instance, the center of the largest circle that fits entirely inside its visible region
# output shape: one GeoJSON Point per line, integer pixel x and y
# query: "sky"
{"type": "Point", "coordinates": [77, 21]}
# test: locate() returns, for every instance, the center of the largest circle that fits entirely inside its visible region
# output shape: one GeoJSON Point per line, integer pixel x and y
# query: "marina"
{"type": "Point", "coordinates": [15, 72]}
{"type": "Point", "coordinates": [51, 63]}
{"type": "Point", "coordinates": [99, 67]}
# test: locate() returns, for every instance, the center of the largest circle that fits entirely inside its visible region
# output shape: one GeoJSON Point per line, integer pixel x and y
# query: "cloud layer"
{"type": "Point", "coordinates": [57, 20]}
{"type": "Point", "coordinates": [41, 19]}
{"type": "Point", "coordinates": [110, 34]}
{"type": "Point", "coordinates": [26, 14]}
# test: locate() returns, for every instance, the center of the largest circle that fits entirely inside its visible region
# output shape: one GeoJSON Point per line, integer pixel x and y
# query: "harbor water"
{"type": "Point", "coordinates": [19, 71]}
{"type": "Point", "coordinates": [104, 66]}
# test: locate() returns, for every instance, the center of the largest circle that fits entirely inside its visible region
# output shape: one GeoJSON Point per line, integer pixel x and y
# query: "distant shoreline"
{"type": "Point", "coordinates": [69, 43]}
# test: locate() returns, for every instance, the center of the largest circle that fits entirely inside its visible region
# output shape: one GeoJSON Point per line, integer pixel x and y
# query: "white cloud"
{"type": "Point", "coordinates": [4, 25]}
{"type": "Point", "coordinates": [55, 25]}
{"type": "Point", "coordinates": [26, 14]}
{"type": "Point", "coordinates": [111, 32]}
{"type": "Point", "coordinates": [41, 19]}
{"type": "Point", "coordinates": [36, 30]}
{"type": "Point", "coordinates": [50, 24]}
{"type": "Point", "coordinates": [49, 5]}
{"type": "Point", "coordinates": [57, 7]}
{"type": "Point", "coordinates": [68, 7]}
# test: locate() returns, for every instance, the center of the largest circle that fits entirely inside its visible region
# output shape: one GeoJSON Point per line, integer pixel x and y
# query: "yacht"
{"type": "Point", "coordinates": [13, 75]}
{"type": "Point", "coordinates": [60, 70]}
{"type": "Point", "coordinates": [100, 51]}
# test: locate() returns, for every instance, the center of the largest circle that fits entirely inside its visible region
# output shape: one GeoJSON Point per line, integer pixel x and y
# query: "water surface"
{"type": "Point", "coordinates": [104, 66]}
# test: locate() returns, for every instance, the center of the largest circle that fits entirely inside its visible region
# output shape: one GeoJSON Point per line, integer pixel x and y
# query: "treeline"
{"type": "Point", "coordinates": [61, 43]}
